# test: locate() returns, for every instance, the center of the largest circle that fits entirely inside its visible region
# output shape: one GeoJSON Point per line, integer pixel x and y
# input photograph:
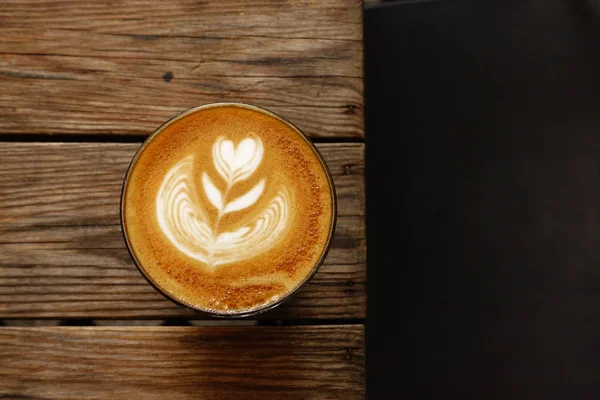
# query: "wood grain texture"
{"type": "Point", "coordinates": [80, 67]}
{"type": "Point", "coordinates": [62, 254]}
{"type": "Point", "coordinates": [309, 362]}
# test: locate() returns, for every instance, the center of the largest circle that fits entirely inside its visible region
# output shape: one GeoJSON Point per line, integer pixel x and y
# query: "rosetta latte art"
{"type": "Point", "coordinates": [186, 225]}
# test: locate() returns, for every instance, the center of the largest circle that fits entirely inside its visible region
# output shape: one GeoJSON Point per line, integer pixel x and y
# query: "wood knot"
{"type": "Point", "coordinates": [167, 76]}
{"type": "Point", "coordinates": [349, 354]}
{"type": "Point", "coordinates": [350, 109]}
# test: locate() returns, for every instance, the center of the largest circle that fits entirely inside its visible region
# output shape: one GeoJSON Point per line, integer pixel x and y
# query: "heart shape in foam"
{"type": "Point", "coordinates": [236, 158]}
{"type": "Point", "coordinates": [237, 163]}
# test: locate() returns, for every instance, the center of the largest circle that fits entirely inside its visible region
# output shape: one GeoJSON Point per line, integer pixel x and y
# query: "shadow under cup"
{"type": "Point", "coordinates": [183, 302]}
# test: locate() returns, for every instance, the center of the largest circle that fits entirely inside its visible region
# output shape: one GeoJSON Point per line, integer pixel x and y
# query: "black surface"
{"type": "Point", "coordinates": [487, 122]}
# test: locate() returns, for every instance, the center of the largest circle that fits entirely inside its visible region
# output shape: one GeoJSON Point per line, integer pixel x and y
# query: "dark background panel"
{"type": "Point", "coordinates": [483, 214]}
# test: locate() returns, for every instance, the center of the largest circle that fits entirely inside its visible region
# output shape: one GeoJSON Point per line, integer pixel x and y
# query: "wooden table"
{"type": "Point", "coordinates": [82, 84]}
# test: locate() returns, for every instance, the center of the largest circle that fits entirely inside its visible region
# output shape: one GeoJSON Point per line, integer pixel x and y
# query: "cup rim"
{"type": "Point", "coordinates": [181, 302]}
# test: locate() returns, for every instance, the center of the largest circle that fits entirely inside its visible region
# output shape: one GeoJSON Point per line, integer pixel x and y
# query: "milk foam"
{"type": "Point", "coordinates": [184, 222]}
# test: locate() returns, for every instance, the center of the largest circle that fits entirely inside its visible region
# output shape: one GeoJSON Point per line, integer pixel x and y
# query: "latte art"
{"type": "Point", "coordinates": [183, 220]}
{"type": "Point", "coordinates": [227, 209]}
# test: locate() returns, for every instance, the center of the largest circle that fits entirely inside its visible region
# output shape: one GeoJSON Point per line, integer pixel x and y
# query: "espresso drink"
{"type": "Point", "coordinates": [228, 209]}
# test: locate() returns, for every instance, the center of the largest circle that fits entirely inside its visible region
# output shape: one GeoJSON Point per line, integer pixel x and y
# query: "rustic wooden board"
{"type": "Point", "coordinates": [80, 67]}
{"type": "Point", "coordinates": [308, 362]}
{"type": "Point", "coordinates": [62, 254]}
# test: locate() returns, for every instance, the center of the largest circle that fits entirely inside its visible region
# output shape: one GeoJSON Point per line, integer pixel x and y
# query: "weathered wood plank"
{"type": "Point", "coordinates": [308, 362]}
{"type": "Point", "coordinates": [321, 107]}
{"type": "Point", "coordinates": [126, 68]}
{"type": "Point", "coordinates": [187, 57]}
{"type": "Point", "coordinates": [324, 19]}
{"type": "Point", "coordinates": [62, 253]}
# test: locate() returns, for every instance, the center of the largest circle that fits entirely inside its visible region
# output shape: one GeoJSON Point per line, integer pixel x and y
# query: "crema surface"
{"type": "Point", "coordinates": [228, 209]}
